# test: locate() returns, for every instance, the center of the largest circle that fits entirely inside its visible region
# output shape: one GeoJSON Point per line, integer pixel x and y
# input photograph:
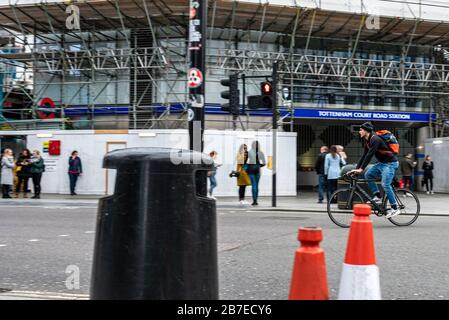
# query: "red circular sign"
{"type": "Point", "coordinates": [48, 104]}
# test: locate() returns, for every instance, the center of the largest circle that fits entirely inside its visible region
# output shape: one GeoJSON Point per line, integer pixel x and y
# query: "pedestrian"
{"type": "Point", "coordinates": [406, 166]}
{"type": "Point", "coordinates": [75, 170]}
{"type": "Point", "coordinates": [243, 179]}
{"type": "Point", "coordinates": [211, 174]}
{"type": "Point", "coordinates": [332, 167]}
{"type": "Point", "coordinates": [23, 172]}
{"type": "Point", "coordinates": [256, 160]}
{"type": "Point", "coordinates": [319, 168]}
{"type": "Point", "coordinates": [342, 153]}
{"type": "Point", "coordinates": [36, 169]}
{"type": "Point", "coordinates": [427, 167]}
{"type": "Point", "coordinates": [7, 178]}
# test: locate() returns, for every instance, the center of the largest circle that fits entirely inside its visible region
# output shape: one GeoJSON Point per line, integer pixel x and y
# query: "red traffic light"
{"type": "Point", "coordinates": [266, 88]}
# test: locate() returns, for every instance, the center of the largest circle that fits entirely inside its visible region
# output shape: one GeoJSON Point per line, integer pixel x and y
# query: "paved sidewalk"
{"type": "Point", "coordinates": [305, 201]}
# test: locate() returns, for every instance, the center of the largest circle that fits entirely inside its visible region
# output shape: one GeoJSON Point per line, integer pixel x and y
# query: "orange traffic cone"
{"type": "Point", "coordinates": [360, 276]}
{"type": "Point", "coordinates": [309, 280]}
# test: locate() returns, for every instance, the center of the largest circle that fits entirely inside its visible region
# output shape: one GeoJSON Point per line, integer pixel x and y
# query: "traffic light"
{"type": "Point", "coordinates": [233, 95]}
{"type": "Point", "coordinates": [267, 94]}
{"type": "Point", "coordinates": [265, 99]}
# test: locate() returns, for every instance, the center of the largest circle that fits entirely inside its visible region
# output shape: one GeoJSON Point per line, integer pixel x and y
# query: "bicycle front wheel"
{"type": "Point", "coordinates": [409, 205]}
{"type": "Point", "coordinates": [340, 205]}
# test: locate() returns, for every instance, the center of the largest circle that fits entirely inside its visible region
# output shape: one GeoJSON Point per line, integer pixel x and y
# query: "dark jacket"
{"type": "Point", "coordinates": [75, 166]}
{"type": "Point", "coordinates": [319, 163]}
{"type": "Point", "coordinates": [23, 166]}
{"type": "Point", "coordinates": [406, 167]}
{"type": "Point", "coordinates": [376, 146]}
{"type": "Point", "coordinates": [428, 169]}
{"type": "Point", "coordinates": [37, 165]}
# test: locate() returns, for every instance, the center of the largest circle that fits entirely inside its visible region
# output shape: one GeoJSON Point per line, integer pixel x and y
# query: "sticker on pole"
{"type": "Point", "coordinates": [190, 114]}
{"type": "Point", "coordinates": [196, 100]}
{"type": "Point", "coordinates": [192, 13]}
{"type": "Point", "coordinates": [195, 78]}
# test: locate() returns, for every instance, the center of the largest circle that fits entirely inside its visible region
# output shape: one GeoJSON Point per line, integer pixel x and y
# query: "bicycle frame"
{"type": "Point", "coordinates": [377, 209]}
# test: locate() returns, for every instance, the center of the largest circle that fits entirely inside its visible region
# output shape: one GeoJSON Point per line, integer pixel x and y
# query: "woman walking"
{"type": "Point", "coordinates": [212, 174]}
{"type": "Point", "coordinates": [256, 160]}
{"type": "Point", "coordinates": [75, 170]}
{"type": "Point", "coordinates": [427, 167]}
{"type": "Point", "coordinates": [7, 178]}
{"type": "Point", "coordinates": [36, 169]}
{"type": "Point", "coordinates": [23, 172]}
{"type": "Point", "coordinates": [332, 167]}
{"type": "Point", "coordinates": [243, 179]}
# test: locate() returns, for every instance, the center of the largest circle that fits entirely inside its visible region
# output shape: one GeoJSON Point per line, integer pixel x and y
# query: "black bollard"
{"type": "Point", "coordinates": [156, 235]}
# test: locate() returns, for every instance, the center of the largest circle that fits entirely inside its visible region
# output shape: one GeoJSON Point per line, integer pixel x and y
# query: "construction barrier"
{"type": "Point", "coordinates": [309, 280]}
{"type": "Point", "coordinates": [360, 275]}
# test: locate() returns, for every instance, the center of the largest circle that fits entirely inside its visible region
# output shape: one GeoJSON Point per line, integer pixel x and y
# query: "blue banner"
{"type": "Point", "coordinates": [365, 115]}
{"type": "Point", "coordinates": [299, 113]}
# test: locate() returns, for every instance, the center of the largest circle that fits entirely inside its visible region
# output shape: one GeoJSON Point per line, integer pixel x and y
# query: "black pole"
{"type": "Point", "coordinates": [243, 95]}
{"type": "Point", "coordinates": [274, 130]}
{"type": "Point", "coordinates": [197, 73]}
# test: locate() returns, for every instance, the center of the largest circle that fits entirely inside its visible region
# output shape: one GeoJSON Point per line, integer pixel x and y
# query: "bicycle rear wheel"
{"type": "Point", "coordinates": [340, 205]}
{"type": "Point", "coordinates": [409, 205]}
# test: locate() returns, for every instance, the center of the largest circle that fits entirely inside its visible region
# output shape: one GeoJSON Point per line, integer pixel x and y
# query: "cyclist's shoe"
{"type": "Point", "coordinates": [376, 200]}
{"type": "Point", "coordinates": [393, 212]}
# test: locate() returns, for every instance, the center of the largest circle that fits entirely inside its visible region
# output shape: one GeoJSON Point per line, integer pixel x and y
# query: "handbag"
{"type": "Point", "coordinates": [234, 174]}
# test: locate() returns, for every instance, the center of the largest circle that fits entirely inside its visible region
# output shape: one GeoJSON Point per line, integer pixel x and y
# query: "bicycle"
{"type": "Point", "coordinates": [341, 202]}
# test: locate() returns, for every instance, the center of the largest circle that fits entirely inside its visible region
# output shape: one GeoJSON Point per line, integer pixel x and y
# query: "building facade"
{"type": "Point", "coordinates": [122, 65]}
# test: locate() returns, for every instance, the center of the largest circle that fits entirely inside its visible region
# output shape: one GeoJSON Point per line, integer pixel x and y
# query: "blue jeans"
{"type": "Point", "coordinates": [255, 185]}
{"type": "Point", "coordinates": [332, 185]}
{"type": "Point", "coordinates": [213, 183]}
{"type": "Point", "coordinates": [73, 177]}
{"type": "Point", "coordinates": [322, 187]}
{"type": "Point", "coordinates": [386, 171]}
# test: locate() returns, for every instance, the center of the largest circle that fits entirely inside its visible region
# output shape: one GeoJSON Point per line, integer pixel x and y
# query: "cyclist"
{"type": "Point", "coordinates": [385, 168]}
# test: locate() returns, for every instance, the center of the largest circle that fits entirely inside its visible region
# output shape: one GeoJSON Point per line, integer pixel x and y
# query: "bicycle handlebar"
{"type": "Point", "coordinates": [349, 177]}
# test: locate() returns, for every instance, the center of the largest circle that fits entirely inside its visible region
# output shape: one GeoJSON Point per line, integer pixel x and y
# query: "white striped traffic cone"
{"type": "Point", "coordinates": [360, 275]}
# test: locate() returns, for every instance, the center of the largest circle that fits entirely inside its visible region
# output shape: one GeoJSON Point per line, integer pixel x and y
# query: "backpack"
{"type": "Point", "coordinates": [390, 141]}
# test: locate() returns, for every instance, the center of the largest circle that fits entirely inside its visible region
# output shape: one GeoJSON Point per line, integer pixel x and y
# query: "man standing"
{"type": "Point", "coordinates": [319, 168]}
{"type": "Point", "coordinates": [407, 165]}
{"type": "Point", "coordinates": [385, 168]}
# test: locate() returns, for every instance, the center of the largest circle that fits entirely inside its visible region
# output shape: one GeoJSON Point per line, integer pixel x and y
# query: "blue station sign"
{"type": "Point", "coordinates": [362, 115]}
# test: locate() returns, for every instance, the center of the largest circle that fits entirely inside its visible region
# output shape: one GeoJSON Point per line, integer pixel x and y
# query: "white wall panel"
{"type": "Point", "coordinates": [439, 151]}
{"type": "Point", "coordinates": [92, 148]}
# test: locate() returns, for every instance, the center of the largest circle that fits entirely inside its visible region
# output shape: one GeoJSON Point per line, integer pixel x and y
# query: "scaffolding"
{"type": "Point", "coordinates": [128, 59]}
